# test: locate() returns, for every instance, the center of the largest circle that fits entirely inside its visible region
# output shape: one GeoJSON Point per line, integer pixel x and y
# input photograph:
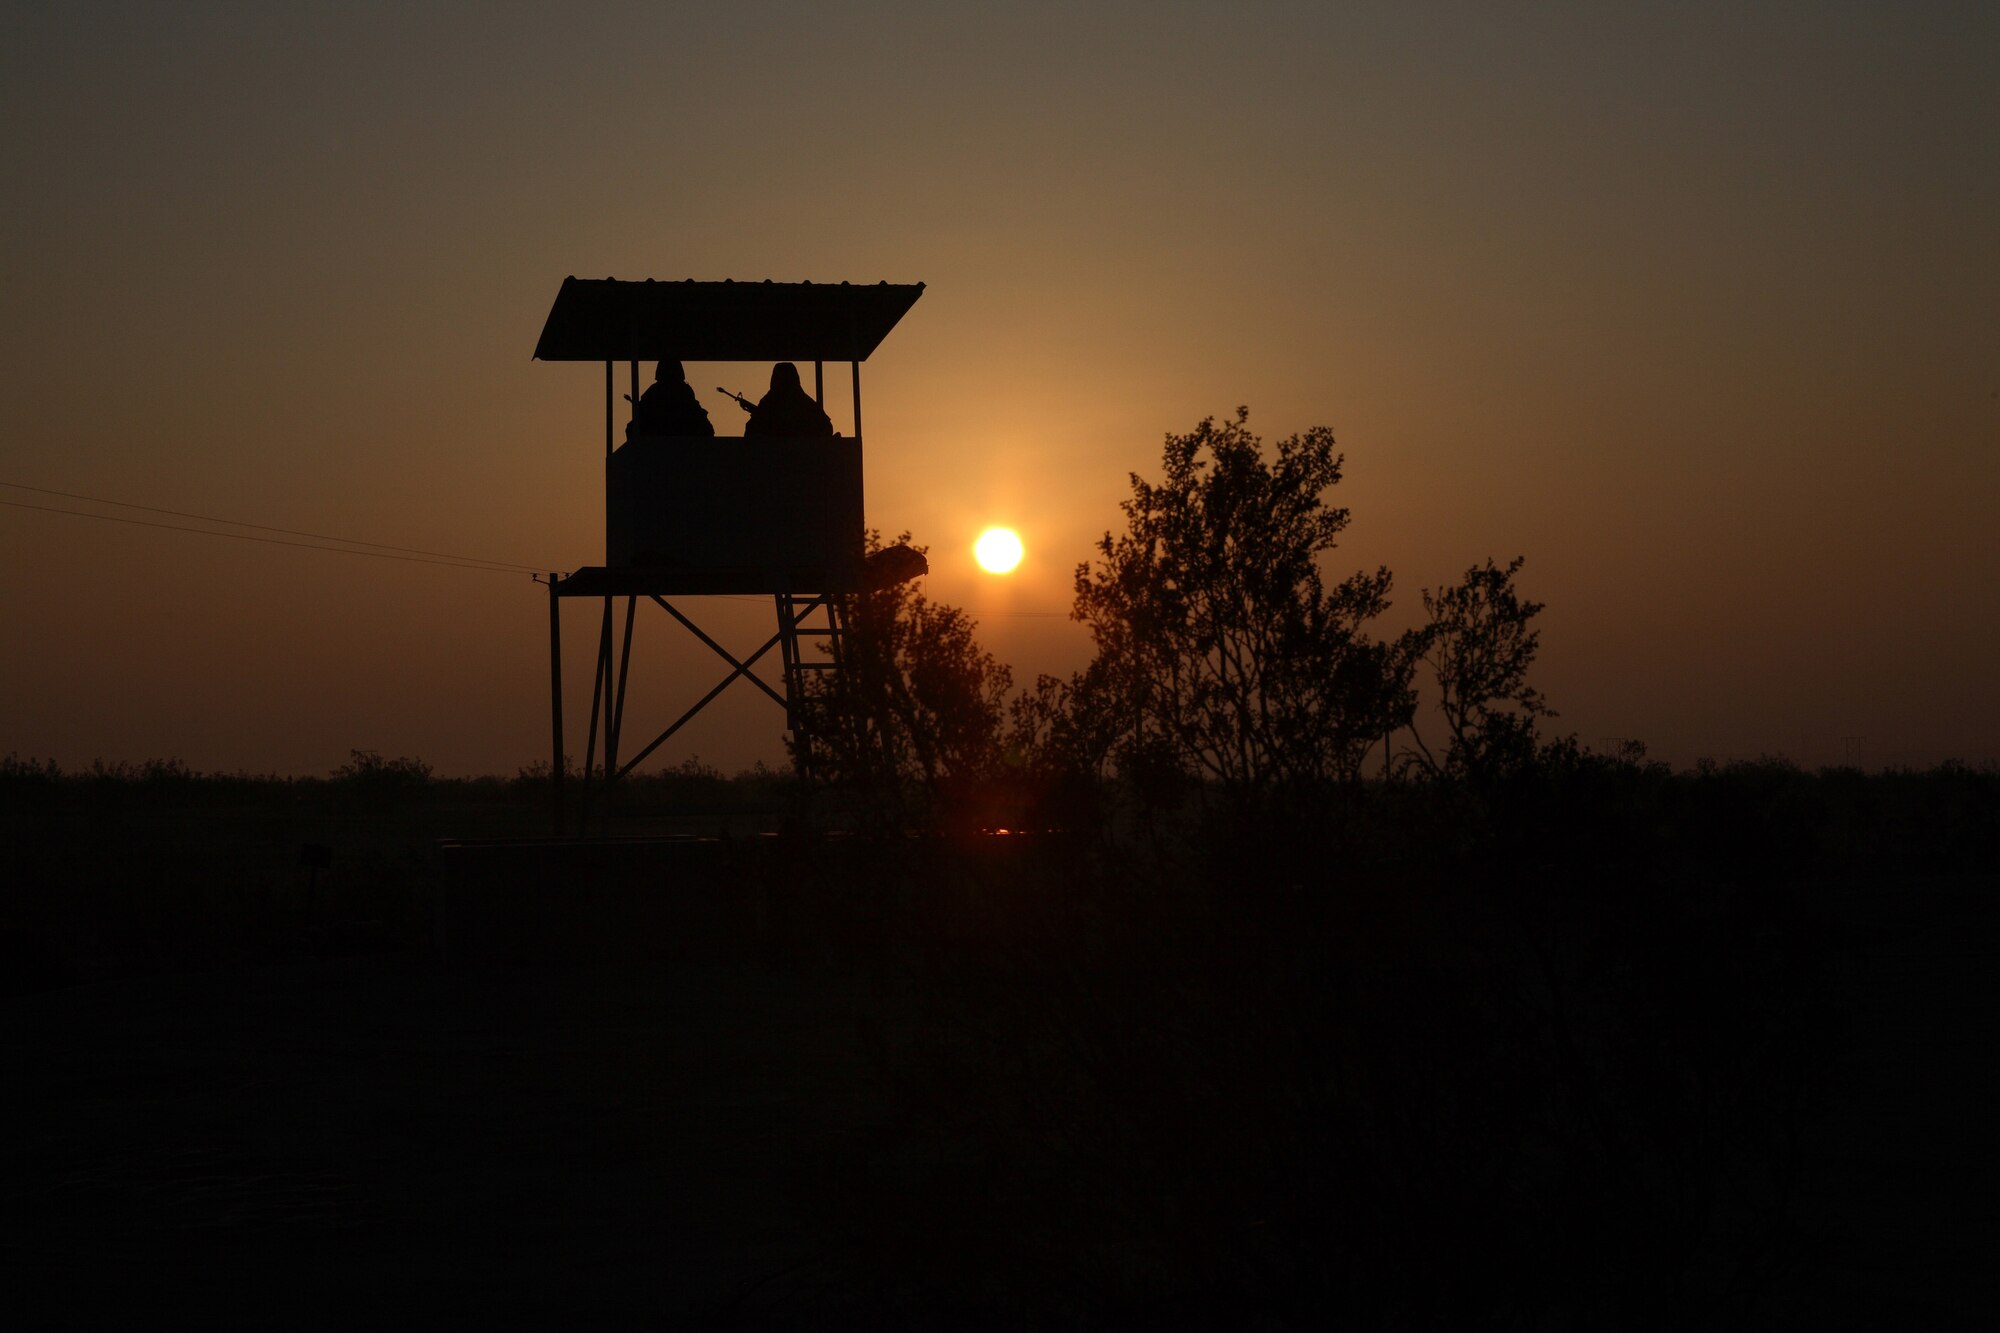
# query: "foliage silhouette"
{"type": "Point", "coordinates": [1479, 647]}
{"type": "Point", "coordinates": [1222, 655]}
{"type": "Point", "coordinates": [1060, 740]}
{"type": "Point", "coordinates": [911, 722]}
{"type": "Point", "coordinates": [383, 784]}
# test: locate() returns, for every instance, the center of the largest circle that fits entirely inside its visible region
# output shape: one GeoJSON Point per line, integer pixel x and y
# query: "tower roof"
{"type": "Point", "coordinates": [605, 319]}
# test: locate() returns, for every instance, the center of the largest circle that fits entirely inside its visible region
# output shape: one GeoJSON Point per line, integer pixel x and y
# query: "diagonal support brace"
{"type": "Point", "coordinates": [742, 669]}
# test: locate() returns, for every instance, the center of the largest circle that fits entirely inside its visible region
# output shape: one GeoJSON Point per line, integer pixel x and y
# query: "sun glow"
{"type": "Point", "coordinates": [998, 550]}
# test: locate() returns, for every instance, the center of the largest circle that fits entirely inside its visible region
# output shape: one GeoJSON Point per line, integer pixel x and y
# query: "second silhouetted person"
{"type": "Point", "coordinates": [787, 409]}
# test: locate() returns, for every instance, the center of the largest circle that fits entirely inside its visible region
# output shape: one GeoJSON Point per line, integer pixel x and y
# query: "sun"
{"type": "Point", "coordinates": [998, 550]}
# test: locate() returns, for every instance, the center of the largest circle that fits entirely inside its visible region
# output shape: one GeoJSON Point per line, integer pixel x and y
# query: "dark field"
{"type": "Point", "coordinates": [1642, 1051]}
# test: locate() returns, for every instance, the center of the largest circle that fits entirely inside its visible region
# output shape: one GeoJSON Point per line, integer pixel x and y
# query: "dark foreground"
{"type": "Point", "coordinates": [1026, 1086]}
{"type": "Point", "coordinates": [775, 1141]}
{"type": "Point", "coordinates": [374, 1137]}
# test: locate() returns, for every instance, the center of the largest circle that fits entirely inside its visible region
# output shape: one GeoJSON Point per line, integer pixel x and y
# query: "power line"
{"type": "Point", "coordinates": [379, 550]}
{"type": "Point", "coordinates": [269, 541]}
{"type": "Point", "coordinates": [508, 565]}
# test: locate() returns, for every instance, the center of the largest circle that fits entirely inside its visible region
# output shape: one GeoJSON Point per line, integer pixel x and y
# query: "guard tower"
{"type": "Point", "coordinates": [705, 516]}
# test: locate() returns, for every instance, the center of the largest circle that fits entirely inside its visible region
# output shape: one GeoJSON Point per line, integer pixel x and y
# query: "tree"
{"type": "Point", "coordinates": [1479, 647]}
{"type": "Point", "coordinates": [1059, 752]}
{"type": "Point", "coordinates": [910, 721]}
{"type": "Point", "coordinates": [1221, 653]}
{"type": "Point", "coordinates": [1065, 727]}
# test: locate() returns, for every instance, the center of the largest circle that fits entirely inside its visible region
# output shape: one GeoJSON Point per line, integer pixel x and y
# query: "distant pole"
{"type": "Point", "coordinates": [555, 704]}
{"type": "Point", "coordinates": [635, 391]}
{"type": "Point", "coordinates": [609, 401]}
{"type": "Point", "coordinates": [857, 398]}
{"type": "Point", "coordinates": [819, 383]}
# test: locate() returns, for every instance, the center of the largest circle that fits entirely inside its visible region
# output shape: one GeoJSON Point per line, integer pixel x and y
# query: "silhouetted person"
{"type": "Point", "coordinates": [669, 407]}
{"type": "Point", "coordinates": [787, 409]}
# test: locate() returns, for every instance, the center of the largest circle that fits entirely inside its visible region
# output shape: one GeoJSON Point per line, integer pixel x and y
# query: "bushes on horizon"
{"type": "Point", "coordinates": [383, 784]}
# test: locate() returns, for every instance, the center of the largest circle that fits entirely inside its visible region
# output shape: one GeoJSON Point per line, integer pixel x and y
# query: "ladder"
{"type": "Point", "coordinates": [812, 632]}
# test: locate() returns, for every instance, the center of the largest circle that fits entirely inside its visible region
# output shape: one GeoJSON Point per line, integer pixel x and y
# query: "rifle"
{"type": "Point", "coordinates": [741, 401]}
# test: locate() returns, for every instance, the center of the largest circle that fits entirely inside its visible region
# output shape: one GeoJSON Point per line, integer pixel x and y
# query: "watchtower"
{"type": "Point", "coordinates": [692, 516]}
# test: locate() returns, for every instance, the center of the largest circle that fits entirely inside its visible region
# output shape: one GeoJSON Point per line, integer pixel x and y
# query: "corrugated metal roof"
{"type": "Point", "coordinates": [604, 319]}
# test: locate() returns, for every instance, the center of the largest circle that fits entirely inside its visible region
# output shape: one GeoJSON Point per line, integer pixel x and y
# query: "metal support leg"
{"type": "Point", "coordinates": [788, 629]}
{"type": "Point", "coordinates": [788, 652]}
{"type": "Point", "coordinates": [596, 708]}
{"type": "Point", "coordinates": [555, 707]}
{"type": "Point", "coordinates": [836, 627]}
{"type": "Point", "coordinates": [616, 725]}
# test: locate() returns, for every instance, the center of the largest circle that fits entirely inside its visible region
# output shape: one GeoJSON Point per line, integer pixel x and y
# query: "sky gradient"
{"type": "Point", "coordinates": [1694, 308]}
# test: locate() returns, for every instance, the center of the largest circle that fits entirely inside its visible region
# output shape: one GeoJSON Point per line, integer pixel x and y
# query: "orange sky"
{"type": "Point", "coordinates": [1692, 308]}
